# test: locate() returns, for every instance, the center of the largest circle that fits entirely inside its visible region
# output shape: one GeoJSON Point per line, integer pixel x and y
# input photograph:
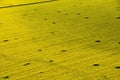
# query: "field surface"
{"type": "Point", "coordinates": [59, 39]}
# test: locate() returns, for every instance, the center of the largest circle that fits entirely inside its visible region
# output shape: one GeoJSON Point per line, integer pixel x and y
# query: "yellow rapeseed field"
{"type": "Point", "coordinates": [59, 39]}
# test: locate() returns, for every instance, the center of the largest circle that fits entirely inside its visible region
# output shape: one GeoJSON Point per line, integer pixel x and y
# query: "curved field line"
{"type": "Point", "coordinates": [25, 4]}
